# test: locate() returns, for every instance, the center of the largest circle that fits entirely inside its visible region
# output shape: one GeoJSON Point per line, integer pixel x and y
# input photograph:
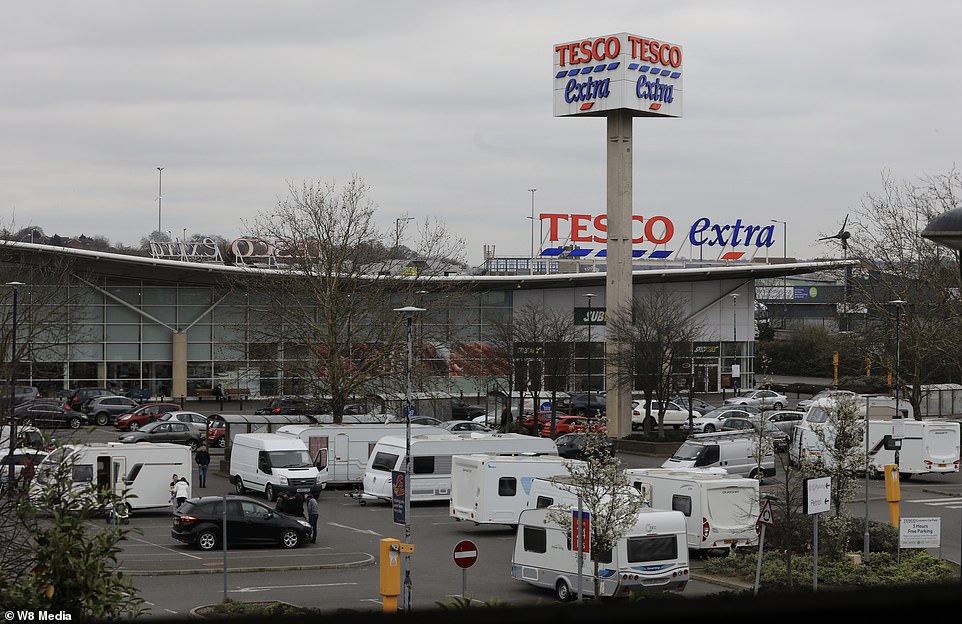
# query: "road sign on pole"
{"type": "Point", "coordinates": [465, 554]}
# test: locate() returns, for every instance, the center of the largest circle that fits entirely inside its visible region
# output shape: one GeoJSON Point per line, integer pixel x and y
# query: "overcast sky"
{"type": "Point", "coordinates": [791, 111]}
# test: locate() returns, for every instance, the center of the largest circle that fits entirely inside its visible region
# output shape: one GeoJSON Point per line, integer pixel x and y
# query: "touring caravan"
{"type": "Point", "coordinates": [347, 447]}
{"type": "Point", "coordinates": [652, 555]}
{"type": "Point", "coordinates": [495, 489]}
{"type": "Point", "coordinates": [738, 452]}
{"type": "Point", "coordinates": [432, 457]}
{"type": "Point", "coordinates": [139, 472]}
{"type": "Point", "coordinates": [720, 509]}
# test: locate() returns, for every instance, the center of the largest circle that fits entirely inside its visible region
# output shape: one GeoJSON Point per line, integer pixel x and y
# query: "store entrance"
{"type": "Point", "coordinates": [706, 376]}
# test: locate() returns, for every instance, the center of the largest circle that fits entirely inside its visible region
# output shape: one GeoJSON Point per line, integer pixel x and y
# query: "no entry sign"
{"type": "Point", "coordinates": [465, 554]}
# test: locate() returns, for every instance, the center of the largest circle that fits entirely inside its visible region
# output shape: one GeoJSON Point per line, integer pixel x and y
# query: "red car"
{"type": "Point", "coordinates": [216, 434]}
{"type": "Point", "coordinates": [570, 424]}
{"type": "Point", "coordinates": [529, 426]}
{"type": "Point", "coordinates": [143, 415]}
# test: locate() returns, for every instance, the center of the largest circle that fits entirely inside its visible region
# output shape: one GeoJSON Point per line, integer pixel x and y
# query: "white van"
{"type": "Point", "coordinates": [495, 489]}
{"type": "Point", "coordinates": [432, 457]}
{"type": "Point", "coordinates": [738, 452]}
{"type": "Point", "coordinates": [347, 447]}
{"type": "Point", "coordinates": [720, 509]}
{"type": "Point", "coordinates": [272, 463]}
{"type": "Point", "coordinates": [142, 470]}
{"type": "Point", "coordinates": [651, 556]}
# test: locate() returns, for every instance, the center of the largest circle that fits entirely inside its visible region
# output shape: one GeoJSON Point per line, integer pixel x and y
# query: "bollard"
{"type": "Point", "coordinates": [390, 562]}
{"type": "Point", "coordinates": [892, 494]}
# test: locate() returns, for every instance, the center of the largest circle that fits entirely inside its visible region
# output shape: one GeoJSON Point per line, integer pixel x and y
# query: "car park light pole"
{"type": "Point", "coordinates": [589, 296]}
{"type": "Point", "coordinates": [13, 386]}
{"type": "Point", "coordinates": [409, 312]}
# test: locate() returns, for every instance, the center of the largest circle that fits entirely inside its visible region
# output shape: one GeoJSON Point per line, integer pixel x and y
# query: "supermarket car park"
{"type": "Point", "coordinates": [341, 570]}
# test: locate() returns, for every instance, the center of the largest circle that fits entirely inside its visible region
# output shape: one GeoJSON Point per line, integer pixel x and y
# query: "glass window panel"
{"type": "Point", "coordinates": [229, 314]}
{"type": "Point", "coordinates": [123, 351]}
{"type": "Point", "coordinates": [229, 333]}
{"type": "Point", "coordinates": [120, 314]}
{"type": "Point", "coordinates": [195, 296]}
{"type": "Point", "coordinates": [87, 314]}
{"type": "Point", "coordinates": [123, 333]}
{"type": "Point", "coordinates": [198, 351]}
{"type": "Point", "coordinates": [130, 294]}
{"type": "Point", "coordinates": [157, 351]}
{"type": "Point", "coordinates": [228, 352]}
{"type": "Point", "coordinates": [83, 370]}
{"type": "Point", "coordinates": [155, 333]}
{"type": "Point", "coordinates": [166, 314]}
{"type": "Point", "coordinates": [159, 296]}
{"type": "Point", "coordinates": [199, 333]}
{"type": "Point", "coordinates": [198, 370]}
{"type": "Point", "coordinates": [189, 314]}
{"type": "Point", "coordinates": [87, 351]}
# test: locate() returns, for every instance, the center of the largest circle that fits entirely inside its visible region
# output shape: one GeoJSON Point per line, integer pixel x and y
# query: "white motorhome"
{"type": "Point", "coordinates": [738, 452]}
{"type": "Point", "coordinates": [652, 555]}
{"type": "Point", "coordinates": [720, 509]}
{"type": "Point", "coordinates": [495, 489]}
{"type": "Point", "coordinates": [139, 472]}
{"type": "Point", "coordinates": [347, 448]}
{"type": "Point", "coordinates": [432, 457]}
{"type": "Point", "coordinates": [925, 447]}
{"type": "Point", "coordinates": [272, 463]}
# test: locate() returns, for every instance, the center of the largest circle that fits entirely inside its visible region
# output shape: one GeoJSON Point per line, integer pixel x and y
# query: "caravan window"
{"type": "Point", "coordinates": [82, 473]}
{"type": "Point", "coordinates": [133, 473]}
{"type": "Point", "coordinates": [544, 501]}
{"type": "Point", "coordinates": [507, 486]}
{"type": "Point", "coordinates": [535, 539]}
{"type": "Point", "coordinates": [648, 549]}
{"type": "Point", "coordinates": [423, 465]}
{"type": "Point", "coordinates": [384, 461]}
{"type": "Point", "coordinates": [681, 503]}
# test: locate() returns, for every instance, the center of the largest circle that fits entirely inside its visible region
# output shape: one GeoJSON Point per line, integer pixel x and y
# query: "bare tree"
{"type": "Point", "coordinates": [332, 295]}
{"type": "Point", "coordinates": [898, 264]}
{"type": "Point", "coordinates": [656, 328]}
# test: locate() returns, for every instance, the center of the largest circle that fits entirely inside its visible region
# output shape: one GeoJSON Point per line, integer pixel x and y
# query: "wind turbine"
{"type": "Point", "coordinates": [843, 236]}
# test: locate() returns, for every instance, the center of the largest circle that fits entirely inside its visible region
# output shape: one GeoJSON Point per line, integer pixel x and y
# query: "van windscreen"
{"type": "Point", "coordinates": [296, 458]}
{"type": "Point", "coordinates": [384, 461]}
{"type": "Point", "coordinates": [688, 451]}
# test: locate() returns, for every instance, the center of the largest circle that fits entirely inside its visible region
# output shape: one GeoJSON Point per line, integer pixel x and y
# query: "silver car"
{"type": "Point", "coordinates": [785, 419]}
{"type": "Point", "coordinates": [712, 421]}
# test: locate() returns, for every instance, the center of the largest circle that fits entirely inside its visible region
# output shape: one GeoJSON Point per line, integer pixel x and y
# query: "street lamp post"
{"type": "Point", "coordinates": [735, 380]}
{"type": "Point", "coordinates": [160, 194]}
{"type": "Point", "coordinates": [12, 380]}
{"type": "Point", "coordinates": [531, 266]}
{"type": "Point", "coordinates": [898, 303]}
{"type": "Point", "coordinates": [588, 296]}
{"type": "Point", "coordinates": [409, 312]}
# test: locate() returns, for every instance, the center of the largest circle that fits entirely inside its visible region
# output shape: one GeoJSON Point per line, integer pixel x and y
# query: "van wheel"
{"type": "Point", "coordinates": [207, 540]}
{"type": "Point", "coordinates": [239, 485]}
{"type": "Point", "coordinates": [753, 474]}
{"type": "Point", "coordinates": [270, 493]}
{"type": "Point", "coordinates": [290, 539]}
{"type": "Point", "coordinates": [563, 591]}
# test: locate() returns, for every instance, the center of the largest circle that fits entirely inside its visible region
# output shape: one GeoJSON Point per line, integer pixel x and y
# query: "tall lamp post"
{"type": "Point", "coordinates": [589, 297]}
{"type": "Point", "coordinates": [409, 312]}
{"type": "Point", "coordinates": [160, 194]}
{"type": "Point", "coordinates": [531, 266]}
{"type": "Point", "coordinates": [735, 380]}
{"type": "Point", "coordinates": [898, 303]}
{"type": "Point", "coordinates": [12, 380]}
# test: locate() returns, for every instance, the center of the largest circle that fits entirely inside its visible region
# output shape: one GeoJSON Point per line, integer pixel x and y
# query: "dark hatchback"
{"type": "Point", "coordinates": [199, 522]}
{"type": "Point", "coordinates": [572, 446]}
{"type": "Point", "coordinates": [49, 413]}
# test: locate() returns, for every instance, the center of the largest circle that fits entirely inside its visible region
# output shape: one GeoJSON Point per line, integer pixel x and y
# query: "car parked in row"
{"type": "Point", "coordinates": [216, 434]}
{"type": "Point", "coordinates": [571, 424]}
{"type": "Point", "coordinates": [197, 422]}
{"type": "Point", "coordinates": [50, 413]}
{"type": "Point", "coordinates": [584, 404]}
{"type": "Point", "coordinates": [21, 394]}
{"type": "Point", "coordinates": [175, 432]}
{"type": "Point", "coordinates": [462, 426]}
{"type": "Point", "coordinates": [785, 419]}
{"type": "Point", "coordinates": [463, 411]}
{"type": "Point", "coordinates": [712, 421]}
{"type": "Point", "coordinates": [199, 522]}
{"type": "Point", "coordinates": [572, 446]}
{"type": "Point", "coordinates": [675, 415]}
{"type": "Point", "coordinates": [104, 410]}
{"type": "Point", "coordinates": [804, 404]}
{"type": "Point", "coordinates": [79, 396]}
{"type": "Point", "coordinates": [762, 399]}
{"type": "Point", "coordinates": [697, 405]}
{"type": "Point", "coordinates": [132, 421]}
{"type": "Point", "coordinates": [779, 439]}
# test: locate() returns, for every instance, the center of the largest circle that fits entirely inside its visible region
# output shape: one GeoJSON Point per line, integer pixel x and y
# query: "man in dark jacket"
{"type": "Point", "coordinates": [202, 457]}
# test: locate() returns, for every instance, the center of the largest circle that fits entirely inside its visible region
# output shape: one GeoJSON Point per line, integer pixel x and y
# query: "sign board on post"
{"type": "Point", "coordinates": [465, 554]}
{"type": "Point", "coordinates": [920, 532]}
{"type": "Point", "coordinates": [398, 483]}
{"type": "Point", "coordinates": [817, 495]}
{"type": "Point", "coordinates": [580, 531]}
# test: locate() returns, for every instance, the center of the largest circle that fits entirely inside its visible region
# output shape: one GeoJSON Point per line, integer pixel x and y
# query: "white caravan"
{"type": "Point", "coordinates": [738, 452]}
{"type": "Point", "coordinates": [432, 457]}
{"type": "Point", "coordinates": [347, 448]}
{"type": "Point", "coordinates": [273, 463]}
{"type": "Point", "coordinates": [139, 472]}
{"type": "Point", "coordinates": [495, 489]}
{"type": "Point", "coordinates": [652, 555]}
{"type": "Point", "coordinates": [720, 509]}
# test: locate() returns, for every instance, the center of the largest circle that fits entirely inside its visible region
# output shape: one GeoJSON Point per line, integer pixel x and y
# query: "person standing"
{"type": "Point", "coordinates": [181, 491]}
{"type": "Point", "coordinates": [202, 457]}
{"type": "Point", "coordinates": [173, 486]}
{"type": "Point", "coordinates": [312, 516]}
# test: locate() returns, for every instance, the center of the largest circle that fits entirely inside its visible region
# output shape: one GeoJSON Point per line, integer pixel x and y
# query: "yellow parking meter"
{"type": "Point", "coordinates": [390, 561]}
{"type": "Point", "coordinates": [892, 494]}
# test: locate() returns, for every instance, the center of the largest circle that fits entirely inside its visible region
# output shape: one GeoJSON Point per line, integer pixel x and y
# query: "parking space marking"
{"type": "Point", "coordinates": [350, 528]}
{"type": "Point", "coordinates": [242, 590]}
{"type": "Point", "coordinates": [167, 548]}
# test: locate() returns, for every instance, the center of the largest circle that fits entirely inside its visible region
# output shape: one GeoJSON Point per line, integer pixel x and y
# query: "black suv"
{"type": "Point", "coordinates": [462, 411]}
{"type": "Point", "coordinates": [199, 522]}
{"type": "Point", "coordinates": [104, 410]}
{"type": "Point", "coordinates": [584, 404]}
{"type": "Point", "coordinates": [79, 396]}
